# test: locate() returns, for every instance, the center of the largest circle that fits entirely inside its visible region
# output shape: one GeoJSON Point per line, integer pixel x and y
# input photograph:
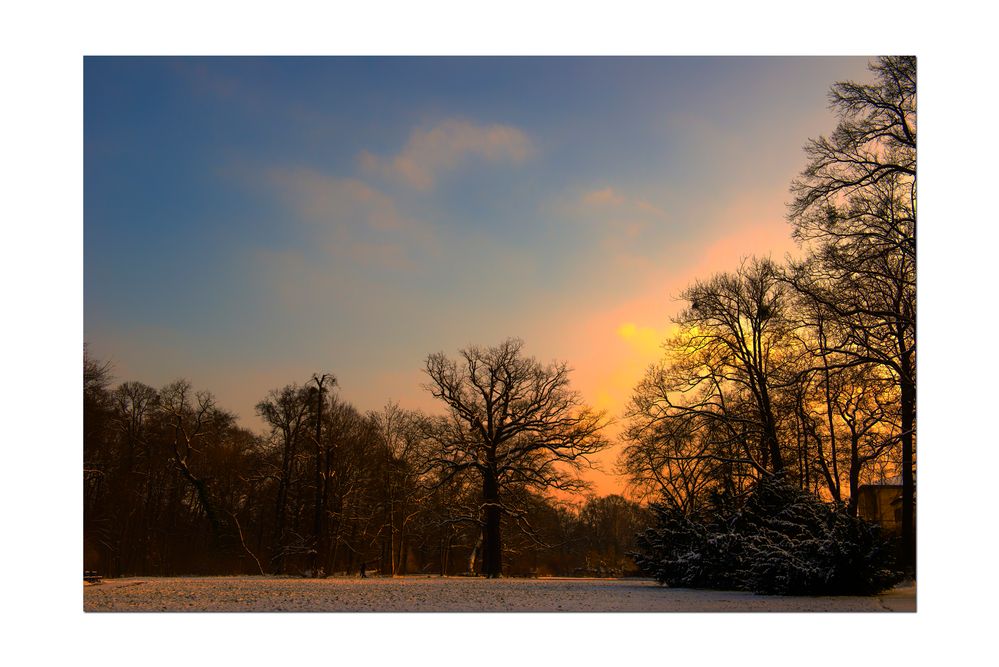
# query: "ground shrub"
{"type": "Point", "coordinates": [781, 541]}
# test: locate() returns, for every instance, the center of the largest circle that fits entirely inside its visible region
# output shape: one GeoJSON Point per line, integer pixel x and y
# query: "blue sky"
{"type": "Point", "coordinates": [250, 221]}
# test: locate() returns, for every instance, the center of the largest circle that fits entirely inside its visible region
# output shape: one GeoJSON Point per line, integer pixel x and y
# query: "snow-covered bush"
{"type": "Point", "coordinates": [692, 552]}
{"type": "Point", "coordinates": [782, 541]}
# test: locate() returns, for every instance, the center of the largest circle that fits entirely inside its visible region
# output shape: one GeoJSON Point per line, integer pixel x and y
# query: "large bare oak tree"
{"type": "Point", "coordinates": [512, 423]}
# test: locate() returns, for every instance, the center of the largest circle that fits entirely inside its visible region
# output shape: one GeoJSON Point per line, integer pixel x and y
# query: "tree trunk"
{"type": "Point", "coordinates": [851, 506]}
{"type": "Point", "coordinates": [908, 560]}
{"type": "Point", "coordinates": [319, 554]}
{"type": "Point", "coordinates": [492, 547]}
{"type": "Point", "coordinates": [400, 566]}
{"type": "Point", "coordinates": [204, 497]}
{"type": "Point", "coordinates": [445, 552]}
{"type": "Point", "coordinates": [773, 446]}
{"type": "Point", "coordinates": [287, 456]}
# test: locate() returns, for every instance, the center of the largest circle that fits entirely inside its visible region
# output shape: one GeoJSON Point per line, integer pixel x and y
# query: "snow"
{"type": "Point", "coordinates": [453, 594]}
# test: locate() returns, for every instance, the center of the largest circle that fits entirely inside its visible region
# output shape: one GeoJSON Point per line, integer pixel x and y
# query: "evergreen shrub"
{"type": "Point", "coordinates": [781, 541]}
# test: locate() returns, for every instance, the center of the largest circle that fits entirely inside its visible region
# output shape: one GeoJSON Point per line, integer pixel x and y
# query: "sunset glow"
{"type": "Point", "coordinates": [250, 222]}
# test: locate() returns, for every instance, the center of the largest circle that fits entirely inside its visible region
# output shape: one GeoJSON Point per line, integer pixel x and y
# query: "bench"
{"type": "Point", "coordinates": [91, 576]}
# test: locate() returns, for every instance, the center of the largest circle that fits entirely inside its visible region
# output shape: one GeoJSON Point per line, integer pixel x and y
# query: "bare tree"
{"type": "Point", "coordinates": [512, 421]}
{"type": "Point", "coordinates": [847, 411]}
{"type": "Point", "coordinates": [321, 479]}
{"type": "Point", "coordinates": [133, 403]}
{"type": "Point", "coordinates": [98, 463]}
{"type": "Point", "coordinates": [286, 412]}
{"type": "Point", "coordinates": [675, 460]}
{"type": "Point", "coordinates": [854, 207]}
{"type": "Point", "coordinates": [194, 420]}
{"type": "Point", "coordinates": [402, 443]}
{"type": "Point", "coordinates": [707, 417]}
{"type": "Point", "coordinates": [353, 485]}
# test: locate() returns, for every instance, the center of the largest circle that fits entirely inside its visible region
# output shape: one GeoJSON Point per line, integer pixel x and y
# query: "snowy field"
{"type": "Point", "coordinates": [436, 594]}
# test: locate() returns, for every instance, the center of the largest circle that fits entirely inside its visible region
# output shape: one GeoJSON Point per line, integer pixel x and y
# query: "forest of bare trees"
{"type": "Point", "coordinates": [805, 369]}
{"type": "Point", "coordinates": [172, 485]}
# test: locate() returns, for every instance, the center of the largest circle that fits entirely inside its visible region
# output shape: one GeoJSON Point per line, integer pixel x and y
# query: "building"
{"type": "Point", "coordinates": [881, 504]}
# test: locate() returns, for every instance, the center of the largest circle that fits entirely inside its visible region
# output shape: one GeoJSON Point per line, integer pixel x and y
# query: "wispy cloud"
{"type": "Point", "coordinates": [322, 198]}
{"type": "Point", "coordinates": [354, 219]}
{"type": "Point", "coordinates": [429, 152]}
{"type": "Point", "coordinates": [602, 197]}
{"type": "Point", "coordinates": [620, 212]}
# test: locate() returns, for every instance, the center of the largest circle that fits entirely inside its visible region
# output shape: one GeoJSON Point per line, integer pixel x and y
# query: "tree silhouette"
{"type": "Point", "coordinates": [708, 417]}
{"type": "Point", "coordinates": [512, 422]}
{"type": "Point", "coordinates": [854, 208]}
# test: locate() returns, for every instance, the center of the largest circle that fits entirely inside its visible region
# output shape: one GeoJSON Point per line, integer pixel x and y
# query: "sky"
{"type": "Point", "coordinates": [251, 221]}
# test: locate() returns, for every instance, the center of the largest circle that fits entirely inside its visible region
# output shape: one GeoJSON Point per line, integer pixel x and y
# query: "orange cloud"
{"type": "Point", "coordinates": [440, 148]}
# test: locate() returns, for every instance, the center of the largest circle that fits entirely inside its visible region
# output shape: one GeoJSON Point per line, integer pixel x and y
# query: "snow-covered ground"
{"type": "Point", "coordinates": [451, 594]}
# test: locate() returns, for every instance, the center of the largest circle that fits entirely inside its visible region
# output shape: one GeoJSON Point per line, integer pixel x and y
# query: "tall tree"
{"type": "Point", "coordinates": [98, 461]}
{"type": "Point", "coordinates": [512, 422]}
{"type": "Point", "coordinates": [352, 484]}
{"type": "Point", "coordinates": [854, 208]}
{"type": "Point", "coordinates": [847, 412]}
{"type": "Point", "coordinates": [708, 417]}
{"type": "Point", "coordinates": [321, 478]}
{"type": "Point", "coordinates": [195, 423]}
{"type": "Point", "coordinates": [400, 434]}
{"type": "Point", "coordinates": [286, 412]}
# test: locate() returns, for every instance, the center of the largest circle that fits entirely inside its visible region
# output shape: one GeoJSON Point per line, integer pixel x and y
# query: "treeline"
{"type": "Point", "coordinates": [173, 485]}
{"type": "Point", "coordinates": [805, 370]}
